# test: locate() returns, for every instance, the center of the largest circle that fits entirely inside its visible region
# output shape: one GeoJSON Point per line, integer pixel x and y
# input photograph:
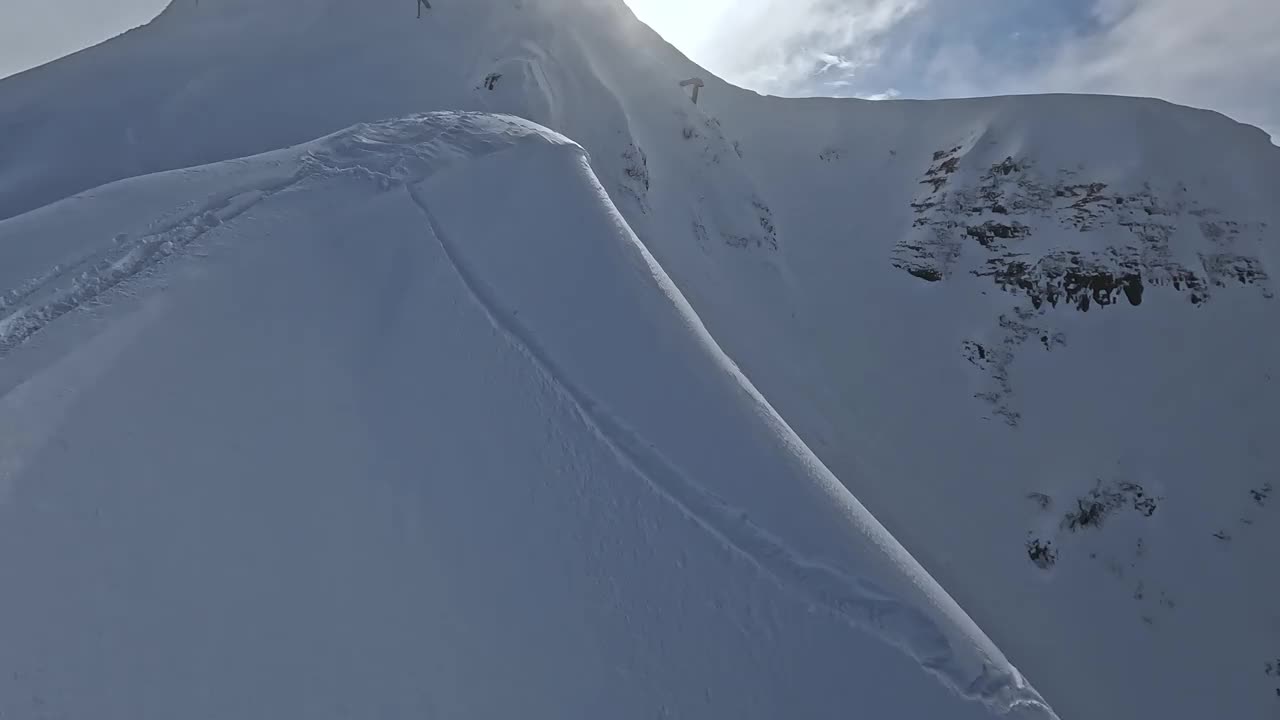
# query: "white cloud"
{"type": "Point", "coordinates": [777, 46]}
{"type": "Point", "coordinates": [830, 61]}
{"type": "Point", "coordinates": [1223, 55]}
{"type": "Point", "coordinates": [889, 94]}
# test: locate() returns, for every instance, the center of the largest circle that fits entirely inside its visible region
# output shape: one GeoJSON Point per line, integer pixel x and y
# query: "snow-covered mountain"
{"type": "Point", "coordinates": [515, 392]}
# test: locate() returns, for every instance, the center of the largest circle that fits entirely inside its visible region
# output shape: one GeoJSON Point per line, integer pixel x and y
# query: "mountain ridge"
{"type": "Point", "coordinates": [905, 281]}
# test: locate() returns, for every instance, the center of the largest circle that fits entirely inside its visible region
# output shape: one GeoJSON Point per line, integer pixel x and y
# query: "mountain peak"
{"type": "Point", "coordinates": [623, 376]}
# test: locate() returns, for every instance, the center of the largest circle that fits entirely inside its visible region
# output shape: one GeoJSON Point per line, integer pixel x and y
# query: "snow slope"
{"type": "Point", "coordinates": [1035, 335]}
{"type": "Point", "coordinates": [342, 440]}
{"type": "Point", "coordinates": [970, 272]}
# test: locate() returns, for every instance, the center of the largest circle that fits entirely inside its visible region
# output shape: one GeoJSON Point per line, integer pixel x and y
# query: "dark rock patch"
{"type": "Point", "coordinates": [1042, 553]}
{"type": "Point", "coordinates": [1098, 504]}
{"type": "Point", "coordinates": [1261, 495]}
{"type": "Point", "coordinates": [988, 232]}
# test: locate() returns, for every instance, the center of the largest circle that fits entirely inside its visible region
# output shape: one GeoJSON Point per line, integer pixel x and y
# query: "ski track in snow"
{"type": "Point", "coordinates": [99, 272]}
{"type": "Point", "coordinates": [383, 152]}
{"type": "Point", "coordinates": [854, 600]}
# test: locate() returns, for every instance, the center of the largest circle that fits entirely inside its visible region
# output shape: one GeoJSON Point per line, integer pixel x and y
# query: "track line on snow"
{"type": "Point", "coordinates": [855, 600]}
{"type": "Point", "coordinates": [389, 153]}
{"type": "Point", "coordinates": [98, 272]}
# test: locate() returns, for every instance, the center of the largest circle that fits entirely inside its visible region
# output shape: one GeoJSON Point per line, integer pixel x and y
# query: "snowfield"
{"type": "Point", "coordinates": [353, 364]}
{"type": "Point", "coordinates": [354, 441]}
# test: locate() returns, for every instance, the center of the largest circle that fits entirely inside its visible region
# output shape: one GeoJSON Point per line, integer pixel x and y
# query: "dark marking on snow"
{"type": "Point", "coordinates": [945, 163]}
{"type": "Point", "coordinates": [1010, 188]}
{"type": "Point", "coordinates": [764, 217]}
{"type": "Point", "coordinates": [1041, 553]}
{"type": "Point", "coordinates": [987, 233]}
{"type": "Point", "coordinates": [700, 233]}
{"type": "Point", "coordinates": [636, 175]}
{"type": "Point", "coordinates": [940, 154]}
{"type": "Point", "coordinates": [947, 167]}
{"type": "Point", "coordinates": [1089, 513]}
{"type": "Point", "coordinates": [1143, 503]}
{"type": "Point", "coordinates": [831, 155]}
{"type": "Point", "coordinates": [981, 226]}
{"type": "Point", "coordinates": [975, 353]}
{"type": "Point", "coordinates": [1015, 331]}
{"type": "Point", "coordinates": [925, 274]}
{"type": "Point", "coordinates": [1007, 166]}
{"type": "Point", "coordinates": [1099, 503]}
{"type": "Point", "coordinates": [1066, 277]}
{"type": "Point", "coordinates": [1261, 495]}
{"type": "Point", "coordinates": [637, 167]}
{"type": "Point", "coordinates": [1042, 500]}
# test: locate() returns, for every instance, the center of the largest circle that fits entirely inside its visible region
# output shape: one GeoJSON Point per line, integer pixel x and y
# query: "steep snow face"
{"type": "Point", "coordinates": [1045, 332]}
{"type": "Point", "coordinates": [341, 439]}
{"type": "Point", "coordinates": [1034, 335]}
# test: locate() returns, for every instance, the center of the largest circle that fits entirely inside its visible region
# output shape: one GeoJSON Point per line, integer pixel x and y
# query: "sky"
{"type": "Point", "coordinates": [33, 32]}
{"type": "Point", "coordinates": [1218, 54]}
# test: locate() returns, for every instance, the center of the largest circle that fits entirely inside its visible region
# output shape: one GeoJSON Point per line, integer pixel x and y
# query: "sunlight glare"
{"type": "Point", "coordinates": [687, 24]}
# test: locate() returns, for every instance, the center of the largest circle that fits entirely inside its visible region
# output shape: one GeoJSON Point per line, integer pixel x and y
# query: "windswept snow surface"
{"type": "Point", "coordinates": [1035, 336]}
{"type": "Point", "coordinates": [345, 440]}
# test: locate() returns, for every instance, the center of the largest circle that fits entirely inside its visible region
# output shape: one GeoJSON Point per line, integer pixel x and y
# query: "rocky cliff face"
{"type": "Point", "coordinates": [986, 223]}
